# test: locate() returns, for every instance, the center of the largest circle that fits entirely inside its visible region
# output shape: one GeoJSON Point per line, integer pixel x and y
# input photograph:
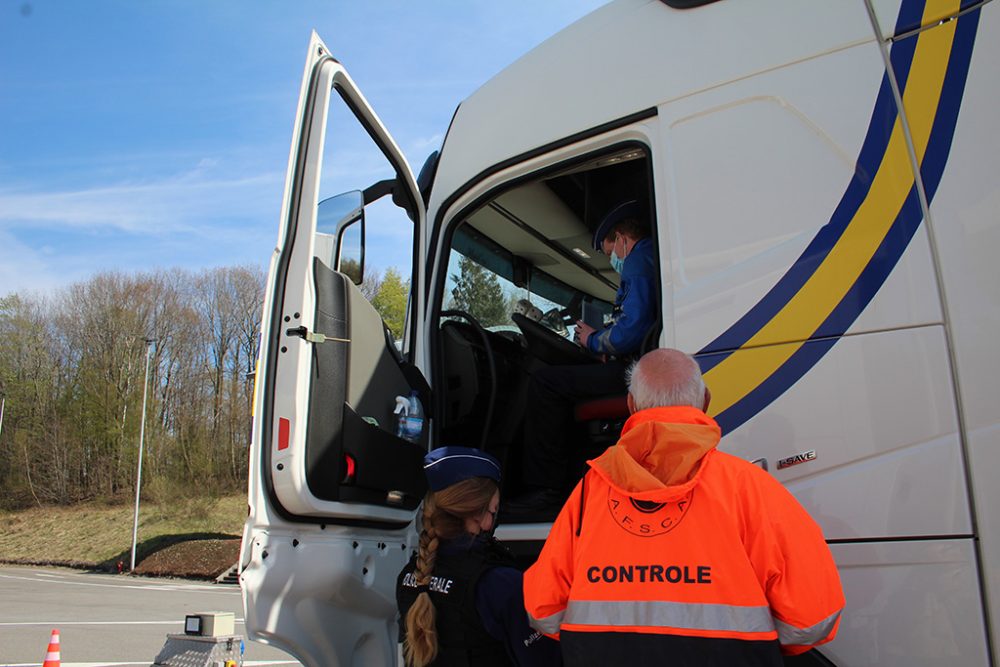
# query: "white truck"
{"type": "Point", "coordinates": [824, 181]}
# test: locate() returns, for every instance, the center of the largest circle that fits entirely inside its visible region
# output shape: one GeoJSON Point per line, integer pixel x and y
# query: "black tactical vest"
{"type": "Point", "coordinates": [462, 639]}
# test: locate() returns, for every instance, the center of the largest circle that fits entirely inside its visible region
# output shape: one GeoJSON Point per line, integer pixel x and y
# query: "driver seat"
{"type": "Point", "coordinates": [601, 419]}
{"type": "Point", "coordinates": [598, 421]}
{"type": "Point", "coordinates": [604, 408]}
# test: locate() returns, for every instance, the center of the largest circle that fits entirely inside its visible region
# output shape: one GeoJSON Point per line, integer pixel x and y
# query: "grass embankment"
{"type": "Point", "coordinates": [196, 537]}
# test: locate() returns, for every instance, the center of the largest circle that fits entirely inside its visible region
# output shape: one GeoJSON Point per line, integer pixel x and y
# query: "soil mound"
{"type": "Point", "coordinates": [194, 559]}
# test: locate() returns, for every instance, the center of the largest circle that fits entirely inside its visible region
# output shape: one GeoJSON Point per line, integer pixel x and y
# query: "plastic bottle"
{"type": "Point", "coordinates": [415, 418]}
{"type": "Point", "coordinates": [401, 411]}
{"type": "Point", "coordinates": [409, 417]}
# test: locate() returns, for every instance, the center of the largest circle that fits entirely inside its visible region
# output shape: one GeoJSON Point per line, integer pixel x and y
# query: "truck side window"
{"type": "Point", "coordinates": [380, 260]}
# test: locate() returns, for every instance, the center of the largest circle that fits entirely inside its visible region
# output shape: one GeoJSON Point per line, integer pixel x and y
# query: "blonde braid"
{"type": "Point", "coordinates": [421, 647]}
{"type": "Point", "coordinates": [444, 514]}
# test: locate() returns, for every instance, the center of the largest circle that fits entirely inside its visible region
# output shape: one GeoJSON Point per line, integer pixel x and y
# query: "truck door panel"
{"type": "Point", "coordinates": [909, 603]}
{"type": "Point", "coordinates": [768, 174]}
{"type": "Point", "coordinates": [333, 451]}
{"type": "Point", "coordinates": [333, 491]}
{"type": "Point", "coordinates": [381, 464]}
{"type": "Point", "coordinates": [877, 411]}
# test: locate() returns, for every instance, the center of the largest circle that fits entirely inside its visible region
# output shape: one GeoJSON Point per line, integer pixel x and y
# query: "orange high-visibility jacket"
{"type": "Point", "coordinates": [669, 547]}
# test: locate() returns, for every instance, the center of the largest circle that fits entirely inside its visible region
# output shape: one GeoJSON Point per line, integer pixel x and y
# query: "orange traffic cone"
{"type": "Point", "coordinates": [52, 654]}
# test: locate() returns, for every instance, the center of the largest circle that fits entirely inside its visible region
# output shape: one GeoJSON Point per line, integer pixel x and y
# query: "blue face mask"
{"type": "Point", "coordinates": [617, 263]}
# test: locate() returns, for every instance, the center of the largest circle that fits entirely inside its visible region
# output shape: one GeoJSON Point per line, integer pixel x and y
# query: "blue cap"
{"type": "Point", "coordinates": [445, 466]}
{"type": "Point", "coordinates": [625, 210]}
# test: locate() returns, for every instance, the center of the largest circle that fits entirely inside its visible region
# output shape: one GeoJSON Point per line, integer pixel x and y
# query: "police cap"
{"type": "Point", "coordinates": [625, 210]}
{"type": "Point", "coordinates": [445, 466]}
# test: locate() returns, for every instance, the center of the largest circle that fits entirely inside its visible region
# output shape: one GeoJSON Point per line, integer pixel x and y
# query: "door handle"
{"type": "Point", "coordinates": [313, 337]}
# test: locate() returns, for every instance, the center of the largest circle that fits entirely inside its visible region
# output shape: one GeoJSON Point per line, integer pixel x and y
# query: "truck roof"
{"type": "Point", "coordinates": [626, 57]}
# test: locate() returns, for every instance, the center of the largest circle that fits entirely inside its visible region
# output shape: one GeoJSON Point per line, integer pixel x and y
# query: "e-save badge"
{"type": "Point", "coordinates": [804, 457]}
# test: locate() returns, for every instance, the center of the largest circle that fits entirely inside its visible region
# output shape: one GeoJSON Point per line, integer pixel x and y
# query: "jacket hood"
{"type": "Point", "coordinates": [659, 449]}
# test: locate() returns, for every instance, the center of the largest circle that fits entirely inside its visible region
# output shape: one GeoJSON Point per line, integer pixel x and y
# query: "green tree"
{"type": "Point", "coordinates": [370, 282]}
{"type": "Point", "coordinates": [390, 301]}
{"type": "Point", "coordinates": [478, 292]}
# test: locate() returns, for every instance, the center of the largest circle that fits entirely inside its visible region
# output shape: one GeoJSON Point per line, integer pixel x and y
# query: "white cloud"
{"type": "Point", "coordinates": [24, 270]}
{"type": "Point", "coordinates": [211, 213]}
{"type": "Point", "coordinates": [203, 215]}
{"type": "Point", "coordinates": [183, 202]}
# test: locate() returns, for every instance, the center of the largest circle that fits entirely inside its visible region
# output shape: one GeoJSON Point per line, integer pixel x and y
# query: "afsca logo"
{"type": "Point", "coordinates": [645, 518]}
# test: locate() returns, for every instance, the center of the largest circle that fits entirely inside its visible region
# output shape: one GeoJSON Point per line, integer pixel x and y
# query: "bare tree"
{"type": "Point", "coordinates": [72, 369]}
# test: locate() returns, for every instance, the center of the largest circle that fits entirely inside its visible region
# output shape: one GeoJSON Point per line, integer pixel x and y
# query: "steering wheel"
{"type": "Point", "coordinates": [549, 346]}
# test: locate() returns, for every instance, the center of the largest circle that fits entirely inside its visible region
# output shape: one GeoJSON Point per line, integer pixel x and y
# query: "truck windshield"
{"type": "Point", "coordinates": [481, 282]}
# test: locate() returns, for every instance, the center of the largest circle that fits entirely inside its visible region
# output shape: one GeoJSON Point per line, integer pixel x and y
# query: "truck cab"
{"type": "Point", "coordinates": [822, 183]}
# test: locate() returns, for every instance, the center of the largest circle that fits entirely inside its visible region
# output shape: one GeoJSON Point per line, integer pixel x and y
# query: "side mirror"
{"type": "Point", "coordinates": [340, 234]}
{"type": "Point", "coordinates": [352, 250]}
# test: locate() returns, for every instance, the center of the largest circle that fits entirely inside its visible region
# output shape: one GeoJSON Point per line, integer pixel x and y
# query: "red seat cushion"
{"type": "Point", "coordinates": [609, 407]}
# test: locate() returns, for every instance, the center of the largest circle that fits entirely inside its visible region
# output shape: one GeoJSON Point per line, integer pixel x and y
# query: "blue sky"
{"type": "Point", "coordinates": [154, 134]}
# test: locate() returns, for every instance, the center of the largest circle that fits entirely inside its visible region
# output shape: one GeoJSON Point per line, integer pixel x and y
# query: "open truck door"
{"type": "Point", "coordinates": [333, 491]}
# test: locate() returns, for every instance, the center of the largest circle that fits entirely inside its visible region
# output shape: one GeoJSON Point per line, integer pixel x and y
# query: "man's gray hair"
{"type": "Point", "coordinates": [683, 385]}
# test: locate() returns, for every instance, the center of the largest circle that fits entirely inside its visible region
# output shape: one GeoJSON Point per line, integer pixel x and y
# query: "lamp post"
{"type": "Point", "coordinates": [142, 433]}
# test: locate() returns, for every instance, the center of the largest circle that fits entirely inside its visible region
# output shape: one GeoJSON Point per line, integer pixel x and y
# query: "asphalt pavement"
{"type": "Point", "coordinates": [107, 620]}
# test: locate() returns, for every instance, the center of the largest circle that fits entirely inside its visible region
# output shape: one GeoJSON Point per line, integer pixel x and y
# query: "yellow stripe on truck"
{"type": "Point", "coordinates": [740, 373]}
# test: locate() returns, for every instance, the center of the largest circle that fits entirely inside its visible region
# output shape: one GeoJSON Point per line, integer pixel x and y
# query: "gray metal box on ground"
{"type": "Point", "coordinates": [193, 651]}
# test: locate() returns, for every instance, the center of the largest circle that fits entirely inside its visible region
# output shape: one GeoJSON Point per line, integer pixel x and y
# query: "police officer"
{"type": "Point", "coordinates": [460, 600]}
{"type": "Point", "coordinates": [623, 235]}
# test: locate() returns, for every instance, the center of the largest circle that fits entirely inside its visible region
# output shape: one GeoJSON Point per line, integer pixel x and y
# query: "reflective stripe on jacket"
{"type": "Point", "coordinates": [667, 536]}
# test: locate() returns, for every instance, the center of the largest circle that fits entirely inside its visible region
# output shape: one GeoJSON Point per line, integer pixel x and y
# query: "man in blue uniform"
{"type": "Point", "coordinates": [623, 235]}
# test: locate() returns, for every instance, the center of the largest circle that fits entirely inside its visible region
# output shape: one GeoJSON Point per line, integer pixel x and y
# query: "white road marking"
{"type": "Point", "coordinates": [183, 588]}
{"type": "Point", "coordinates": [57, 577]}
{"type": "Point", "coordinates": [56, 624]}
{"type": "Point", "coordinates": [144, 663]}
